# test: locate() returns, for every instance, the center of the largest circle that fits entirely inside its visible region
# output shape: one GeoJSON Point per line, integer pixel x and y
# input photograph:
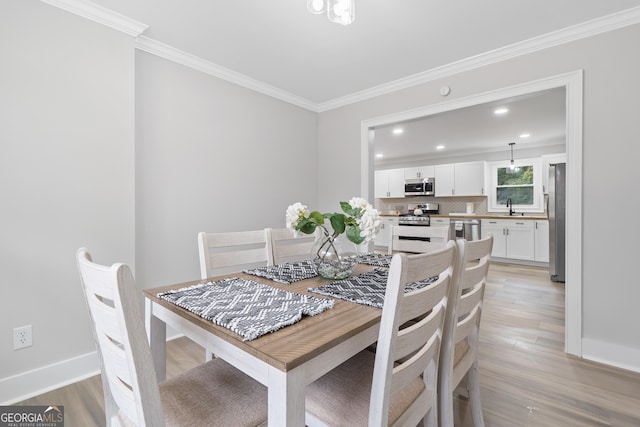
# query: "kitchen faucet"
{"type": "Point", "coordinates": [510, 206]}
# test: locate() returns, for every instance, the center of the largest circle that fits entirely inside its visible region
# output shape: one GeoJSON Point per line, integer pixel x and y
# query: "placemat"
{"type": "Point", "coordinates": [366, 288]}
{"type": "Point", "coordinates": [286, 273]}
{"type": "Point", "coordinates": [247, 308]}
{"type": "Point", "coordinates": [372, 258]}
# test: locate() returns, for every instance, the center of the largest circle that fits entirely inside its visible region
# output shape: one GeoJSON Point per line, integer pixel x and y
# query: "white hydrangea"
{"type": "Point", "coordinates": [369, 223]}
{"type": "Point", "coordinates": [358, 202]}
{"type": "Point", "coordinates": [295, 213]}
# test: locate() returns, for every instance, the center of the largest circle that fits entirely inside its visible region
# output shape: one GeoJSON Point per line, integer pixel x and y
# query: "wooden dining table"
{"type": "Point", "coordinates": [286, 360]}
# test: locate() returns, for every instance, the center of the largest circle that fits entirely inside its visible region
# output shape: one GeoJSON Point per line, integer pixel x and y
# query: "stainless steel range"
{"type": "Point", "coordinates": [420, 215]}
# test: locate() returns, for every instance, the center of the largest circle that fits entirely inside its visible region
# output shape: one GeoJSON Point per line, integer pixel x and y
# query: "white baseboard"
{"type": "Point", "coordinates": [41, 380]}
{"type": "Point", "coordinates": [611, 354]}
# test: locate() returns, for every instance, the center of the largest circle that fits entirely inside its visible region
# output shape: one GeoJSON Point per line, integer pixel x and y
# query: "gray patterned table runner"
{"type": "Point", "coordinates": [247, 308]}
{"type": "Point", "coordinates": [286, 273]}
{"type": "Point", "coordinates": [367, 288]}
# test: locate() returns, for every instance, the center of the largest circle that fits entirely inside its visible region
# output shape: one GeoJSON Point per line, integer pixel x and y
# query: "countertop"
{"type": "Point", "coordinates": [487, 216]}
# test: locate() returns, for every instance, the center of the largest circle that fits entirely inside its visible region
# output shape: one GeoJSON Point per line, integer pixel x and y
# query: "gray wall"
{"type": "Point", "coordinates": [611, 104]}
{"type": "Point", "coordinates": [130, 155]}
{"type": "Point", "coordinates": [211, 156]}
{"type": "Point", "coordinates": [66, 178]}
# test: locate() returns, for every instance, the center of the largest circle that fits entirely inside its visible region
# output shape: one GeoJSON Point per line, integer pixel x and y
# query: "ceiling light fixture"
{"type": "Point", "coordinates": [525, 135]}
{"type": "Point", "coordinates": [512, 165]}
{"type": "Point", "coordinates": [440, 147]}
{"type": "Point", "coordinates": [338, 11]}
{"type": "Point", "coordinates": [398, 131]}
{"type": "Point", "coordinates": [500, 111]}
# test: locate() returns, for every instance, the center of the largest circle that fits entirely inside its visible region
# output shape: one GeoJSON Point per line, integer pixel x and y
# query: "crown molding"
{"type": "Point", "coordinates": [100, 15]}
{"type": "Point", "coordinates": [565, 35]}
{"type": "Point", "coordinates": [192, 61]}
{"type": "Point", "coordinates": [122, 23]}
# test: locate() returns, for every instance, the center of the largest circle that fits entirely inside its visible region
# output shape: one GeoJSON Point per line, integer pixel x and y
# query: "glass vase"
{"type": "Point", "coordinates": [330, 258]}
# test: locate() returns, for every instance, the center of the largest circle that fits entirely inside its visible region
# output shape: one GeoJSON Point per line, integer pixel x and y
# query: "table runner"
{"type": "Point", "coordinates": [247, 308]}
{"type": "Point", "coordinates": [286, 273]}
{"type": "Point", "coordinates": [367, 288]}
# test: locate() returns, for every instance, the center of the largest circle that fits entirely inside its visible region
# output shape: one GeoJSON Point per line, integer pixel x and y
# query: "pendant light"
{"type": "Point", "coordinates": [338, 11]}
{"type": "Point", "coordinates": [512, 165]}
{"type": "Point", "coordinates": [316, 6]}
{"type": "Point", "coordinates": [341, 11]}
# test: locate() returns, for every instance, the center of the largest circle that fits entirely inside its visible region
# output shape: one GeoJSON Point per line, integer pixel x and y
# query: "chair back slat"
{"type": "Point", "coordinates": [462, 323]}
{"type": "Point", "coordinates": [410, 330]}
{"type": "Point", "coordinates": [286, 246]}
{"type": "Point", "coordinates": [438, 236]}
{"type": "Point", "coordinates": [231, 252]}
{"type": "Point", "coordinates": [129, 379]}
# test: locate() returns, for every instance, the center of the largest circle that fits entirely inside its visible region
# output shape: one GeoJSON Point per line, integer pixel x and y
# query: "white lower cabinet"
{"type": "Point", "coordinates": [384, 235]}
{"type": "Point", "coordinates": [513, 239]}
{"type": "Point", "coordinates": [542, 240]}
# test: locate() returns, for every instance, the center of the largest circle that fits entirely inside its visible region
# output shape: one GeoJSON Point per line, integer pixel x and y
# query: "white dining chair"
{"type": "Point", "coordinates": [412, 239]}
{"type": "Point", "coordinates": [212, 394]}
{"type": "Point", "coordinates": [230, 252]}
{"type": "Point", "coordinates": [284, 245]}
{"type": "Point", "coordinates": [396, 385]}
{"type": "Point", "coordinates": [459, 350]}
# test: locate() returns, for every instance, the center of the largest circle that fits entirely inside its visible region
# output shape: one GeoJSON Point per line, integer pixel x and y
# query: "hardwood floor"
{"type": "Point", "coordinates": [526, 378]}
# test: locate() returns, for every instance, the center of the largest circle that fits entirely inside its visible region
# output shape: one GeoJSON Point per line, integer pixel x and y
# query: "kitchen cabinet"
{"type": "Point", "coordinates": [460, 179]}
{"type": "Point", "coordinates": [420, 172]}
{"type": "Point", "coordinates": [513, 239]}
{"type": "Point", "coordinates": [389, 183]}
{"type": "Point", "coordinates": [439, 221]}
{"type": "Point", "coordinates": [384, 235]}
{"type": "Point", "coordinates": [541, 240]}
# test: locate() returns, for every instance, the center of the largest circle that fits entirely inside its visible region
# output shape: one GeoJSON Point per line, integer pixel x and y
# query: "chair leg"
{"type": "Point", "coordinates": [474, 395]}
{"type": "Point", "coordinates": [445, 411]}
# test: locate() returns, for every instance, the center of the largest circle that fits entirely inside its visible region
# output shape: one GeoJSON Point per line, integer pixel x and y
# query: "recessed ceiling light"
{"type": "Point", "coordinates": [379, 155]}
{"type": "Point", "coordinates": [440, 147]}
{"type": "Point", "coordinates": [398, 131]}
{"type": "Point", "coordinates": [525, 135]}
{"type": "Point", "coordinates": [500, 111]}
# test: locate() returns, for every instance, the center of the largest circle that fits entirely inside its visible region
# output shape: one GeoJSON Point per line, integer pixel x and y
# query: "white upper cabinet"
{"type": "Point", "coordinates": [469, 179]}
{"type": "Point", "coordinates": [421, 172]}
{"type": "Point", "coordinates": [460, 179]}
{"type": "Point", "coordinates": [389, 183]}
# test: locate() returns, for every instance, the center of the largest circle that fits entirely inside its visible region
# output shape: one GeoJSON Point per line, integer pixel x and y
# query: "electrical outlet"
{"type": "Point", "coordinates": [22, 337]}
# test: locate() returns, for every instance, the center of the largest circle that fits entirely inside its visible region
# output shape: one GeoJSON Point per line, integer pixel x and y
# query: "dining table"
{"type": "Point", "coordinates": [285, 360]}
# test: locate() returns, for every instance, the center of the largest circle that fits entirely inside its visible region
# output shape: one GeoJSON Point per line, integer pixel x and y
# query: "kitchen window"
{"type": "Point", "coordinates": [522, 185]}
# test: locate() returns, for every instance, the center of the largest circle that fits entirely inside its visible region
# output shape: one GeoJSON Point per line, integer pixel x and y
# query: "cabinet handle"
{"type": "Point", "coordinates": [482, 190]}
{"type": "Point", "coordinates": [519, 223]}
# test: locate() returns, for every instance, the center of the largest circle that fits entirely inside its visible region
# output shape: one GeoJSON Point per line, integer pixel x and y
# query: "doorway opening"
{"type": "Point", "coordinates": [572, 83]}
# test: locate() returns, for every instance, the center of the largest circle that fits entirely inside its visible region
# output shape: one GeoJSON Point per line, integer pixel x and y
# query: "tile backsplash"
{"type": "Point", "coordinates": [446, 205]}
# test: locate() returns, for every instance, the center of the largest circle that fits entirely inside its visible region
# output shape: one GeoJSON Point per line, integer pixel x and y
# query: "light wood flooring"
{"type": "Point", "coordinates": [526, 378]}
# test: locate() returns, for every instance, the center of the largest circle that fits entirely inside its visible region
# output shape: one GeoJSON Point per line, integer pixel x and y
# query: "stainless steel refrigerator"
{"type": "Point", "coordinates": [557, 198]}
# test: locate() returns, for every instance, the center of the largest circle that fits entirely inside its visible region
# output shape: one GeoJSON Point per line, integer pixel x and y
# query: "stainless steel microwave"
{"type": "Point", "coordinates": [419, 187]}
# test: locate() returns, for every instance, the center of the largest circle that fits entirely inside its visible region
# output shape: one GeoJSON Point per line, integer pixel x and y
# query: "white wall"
{"type": "Point", "coordinates": [611, 104]}
{"type": "Point", "coordinates": [211, 156]}
{"type": "Point", "coordinates": [66, 180]}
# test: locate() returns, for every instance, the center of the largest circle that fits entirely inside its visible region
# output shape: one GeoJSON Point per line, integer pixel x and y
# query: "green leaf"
{"type": "Point", "coordinates": [317, 217]}
{"type": "Point", "coordinates": [346, 208]}
{"type": "Point", "coordinates": [306, 226]}
{"type": "Point", "coordinates": [337, 223]}
{"type": "Point", "coordinates": [353, 234]}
